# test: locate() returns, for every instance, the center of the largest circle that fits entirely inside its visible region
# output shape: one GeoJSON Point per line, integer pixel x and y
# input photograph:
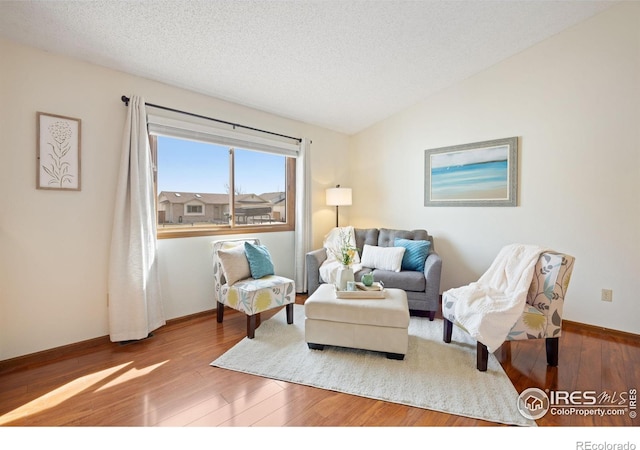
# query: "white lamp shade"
{"type": "Point", "coordinates": [339, 196]}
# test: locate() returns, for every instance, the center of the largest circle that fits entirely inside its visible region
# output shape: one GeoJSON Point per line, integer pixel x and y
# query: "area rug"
{"type": "Point", "coordinates": [433, 375]}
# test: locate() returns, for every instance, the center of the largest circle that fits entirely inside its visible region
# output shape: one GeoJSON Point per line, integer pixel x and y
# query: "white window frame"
{"type": "Point", "coordinates": [196, 131]}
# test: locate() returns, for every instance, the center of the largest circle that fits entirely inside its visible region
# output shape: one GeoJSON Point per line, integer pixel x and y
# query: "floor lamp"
{"type": "Point", "coordinates": [338, 196]}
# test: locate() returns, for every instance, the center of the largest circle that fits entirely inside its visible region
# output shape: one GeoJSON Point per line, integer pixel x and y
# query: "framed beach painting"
{"type": "Point", "coordinates": [58, 152]}
{"type": "Point", "coordinates": [477, 174]}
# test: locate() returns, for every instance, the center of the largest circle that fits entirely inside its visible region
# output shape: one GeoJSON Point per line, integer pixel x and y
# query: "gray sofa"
{"type": "Point", "coordinates": [422, 288]}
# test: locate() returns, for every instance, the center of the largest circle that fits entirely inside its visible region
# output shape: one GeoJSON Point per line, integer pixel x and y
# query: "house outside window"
{"type": "Point", "coordinates": [208, 189]}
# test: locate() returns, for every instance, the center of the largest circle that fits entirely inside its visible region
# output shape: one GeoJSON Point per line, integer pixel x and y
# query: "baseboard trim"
{"type": "Point", "coordinates": [578, 326]}
{"type": "Point", "coordinates": [46, 356]}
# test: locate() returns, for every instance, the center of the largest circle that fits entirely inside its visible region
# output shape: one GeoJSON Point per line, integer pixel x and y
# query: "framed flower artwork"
{"type": "Point", "coordinates": [58, 152]}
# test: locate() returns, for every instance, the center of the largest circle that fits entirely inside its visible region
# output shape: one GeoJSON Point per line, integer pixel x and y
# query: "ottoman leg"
{"type": "Point", "coordinates": [315, 346]}
{"type": "Point", "coordinates": [289, 309]}
{"type": "Point", "coordinates": [447, 330]}
{"type": "Point", "coordinates": [398, 356]}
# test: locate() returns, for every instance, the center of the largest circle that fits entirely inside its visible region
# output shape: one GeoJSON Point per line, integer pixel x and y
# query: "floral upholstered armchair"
{"type": "Point", "coordinates": [542, 314]}
{"type": "Point", "coordinates": [245, 280]}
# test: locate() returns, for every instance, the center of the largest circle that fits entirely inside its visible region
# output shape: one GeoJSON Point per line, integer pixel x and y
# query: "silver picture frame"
{"type": "Point", "coordinates": [477, 174]}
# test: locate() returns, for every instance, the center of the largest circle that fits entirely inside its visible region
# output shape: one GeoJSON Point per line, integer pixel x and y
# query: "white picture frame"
{"type": "Point", "coordinates": [58, 146]}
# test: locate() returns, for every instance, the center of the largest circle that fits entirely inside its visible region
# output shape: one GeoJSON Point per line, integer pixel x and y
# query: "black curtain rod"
{"type": "Point", "coordinates": [125, 99]}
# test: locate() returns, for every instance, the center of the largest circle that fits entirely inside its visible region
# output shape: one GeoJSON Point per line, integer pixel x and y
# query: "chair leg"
{"type": "Point", "coordinates": [251, 326]}
{"type": "Point", "coordinates": [432, 315]}
{"type": "Point", "coordinates": [447, 330]}
{"type": "Point", "coordinates": [482, 357]}
{"type": "Point", "coordinates": [220, 312]}
{"type": "Point", "coordinates": [289, 308]}
{"type": "Point", "coordinates": [552, 351]}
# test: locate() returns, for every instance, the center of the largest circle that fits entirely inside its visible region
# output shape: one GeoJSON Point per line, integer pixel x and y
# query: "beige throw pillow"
{"type": "Point", "coordinates": [235, 264]}
{"type": "Point", "coordinates": [383, 258]}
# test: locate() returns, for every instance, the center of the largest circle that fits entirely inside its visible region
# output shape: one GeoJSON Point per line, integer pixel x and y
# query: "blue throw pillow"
{"type": "Point", "coordinates": [259, 258]}
{"type": "Point", "coordinates": [415, 253]}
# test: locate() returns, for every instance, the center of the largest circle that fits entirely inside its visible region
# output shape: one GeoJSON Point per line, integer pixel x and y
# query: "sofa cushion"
{"type": "Point", "coordinates": [407, 280]}
{"type": "Point", "coordinates": [386, 258]}
{"type": "Point", "coordinates": [387, 236]}
{"type": "Point", "coordinates": [416, 252]}
{"type": "Point", "coordinates": [364, 236]}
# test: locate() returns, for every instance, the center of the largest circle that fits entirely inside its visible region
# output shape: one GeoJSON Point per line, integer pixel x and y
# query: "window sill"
{"type": "Point", "coordinates": [171, 232]}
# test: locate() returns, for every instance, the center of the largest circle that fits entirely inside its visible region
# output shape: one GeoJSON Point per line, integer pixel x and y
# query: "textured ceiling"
{"type": "Point", "coordinates": [344, 65]}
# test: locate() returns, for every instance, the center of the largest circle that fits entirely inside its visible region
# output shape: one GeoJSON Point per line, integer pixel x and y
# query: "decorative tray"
{"type": "Point", "coordinates": [376, 290]}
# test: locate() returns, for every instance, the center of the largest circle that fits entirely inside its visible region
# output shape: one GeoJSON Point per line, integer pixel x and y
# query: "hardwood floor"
{"type": "Point", "coordinates": [166, 380]}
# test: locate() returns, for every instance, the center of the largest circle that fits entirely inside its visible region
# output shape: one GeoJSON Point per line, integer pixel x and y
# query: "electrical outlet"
{"type": "Point", "coordinates": [607, 295]}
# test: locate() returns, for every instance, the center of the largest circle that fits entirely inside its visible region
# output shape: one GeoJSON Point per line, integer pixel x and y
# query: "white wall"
{"type": "Point", "coordinates": [574, 101]}
{"type": "Point", "coordinates": [185, 269]}
{"type": "Point", "coordinates": [54, 245]}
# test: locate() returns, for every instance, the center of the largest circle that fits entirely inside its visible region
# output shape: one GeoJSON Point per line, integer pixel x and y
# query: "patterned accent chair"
{"type": "Point", "coordinates": [542, 315]}
{"type": "Point", "coordinates": [248, 295]}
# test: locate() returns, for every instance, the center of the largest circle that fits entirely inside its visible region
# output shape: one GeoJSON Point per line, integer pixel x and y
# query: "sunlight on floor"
{"type": "Point", "coordinates": [75, 387]}
{"type": "Point", "coordinates": [130, 375]}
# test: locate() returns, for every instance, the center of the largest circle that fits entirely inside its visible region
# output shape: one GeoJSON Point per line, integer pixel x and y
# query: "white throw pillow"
{"type": "Point", "coordinates": [383, 258]}
{"type": "Point", "coordinates": [235, 264]}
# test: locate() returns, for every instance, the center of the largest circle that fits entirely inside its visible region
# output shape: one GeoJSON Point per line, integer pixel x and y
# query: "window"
{"type": "Point", "coordinates": [204, 188]}
{"type": "Point", "coordinates": [194, 209]}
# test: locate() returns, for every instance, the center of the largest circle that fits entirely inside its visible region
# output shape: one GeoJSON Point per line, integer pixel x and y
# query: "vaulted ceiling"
{"type": "Point", "coordinates": [343, 65]}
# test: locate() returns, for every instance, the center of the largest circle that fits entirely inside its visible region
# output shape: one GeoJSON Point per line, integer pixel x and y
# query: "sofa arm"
{"type": "Point", "coordinates": [432, 273]}
{"type": "Point", "coordinates": [314, 260]}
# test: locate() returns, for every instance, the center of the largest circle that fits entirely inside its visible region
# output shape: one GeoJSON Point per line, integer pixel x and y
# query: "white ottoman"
{"type": "Point", "coordinates": [370, 324]}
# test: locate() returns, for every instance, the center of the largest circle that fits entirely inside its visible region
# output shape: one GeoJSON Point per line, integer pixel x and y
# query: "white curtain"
{"type": "Point", "coordinates": [303, 233]}
{"type": "Point", "coordinates": [135, 302]}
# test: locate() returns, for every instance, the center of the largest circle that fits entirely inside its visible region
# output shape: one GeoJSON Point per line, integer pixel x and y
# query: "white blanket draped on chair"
{"type": "Point", "coordinates": [490, 307]}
